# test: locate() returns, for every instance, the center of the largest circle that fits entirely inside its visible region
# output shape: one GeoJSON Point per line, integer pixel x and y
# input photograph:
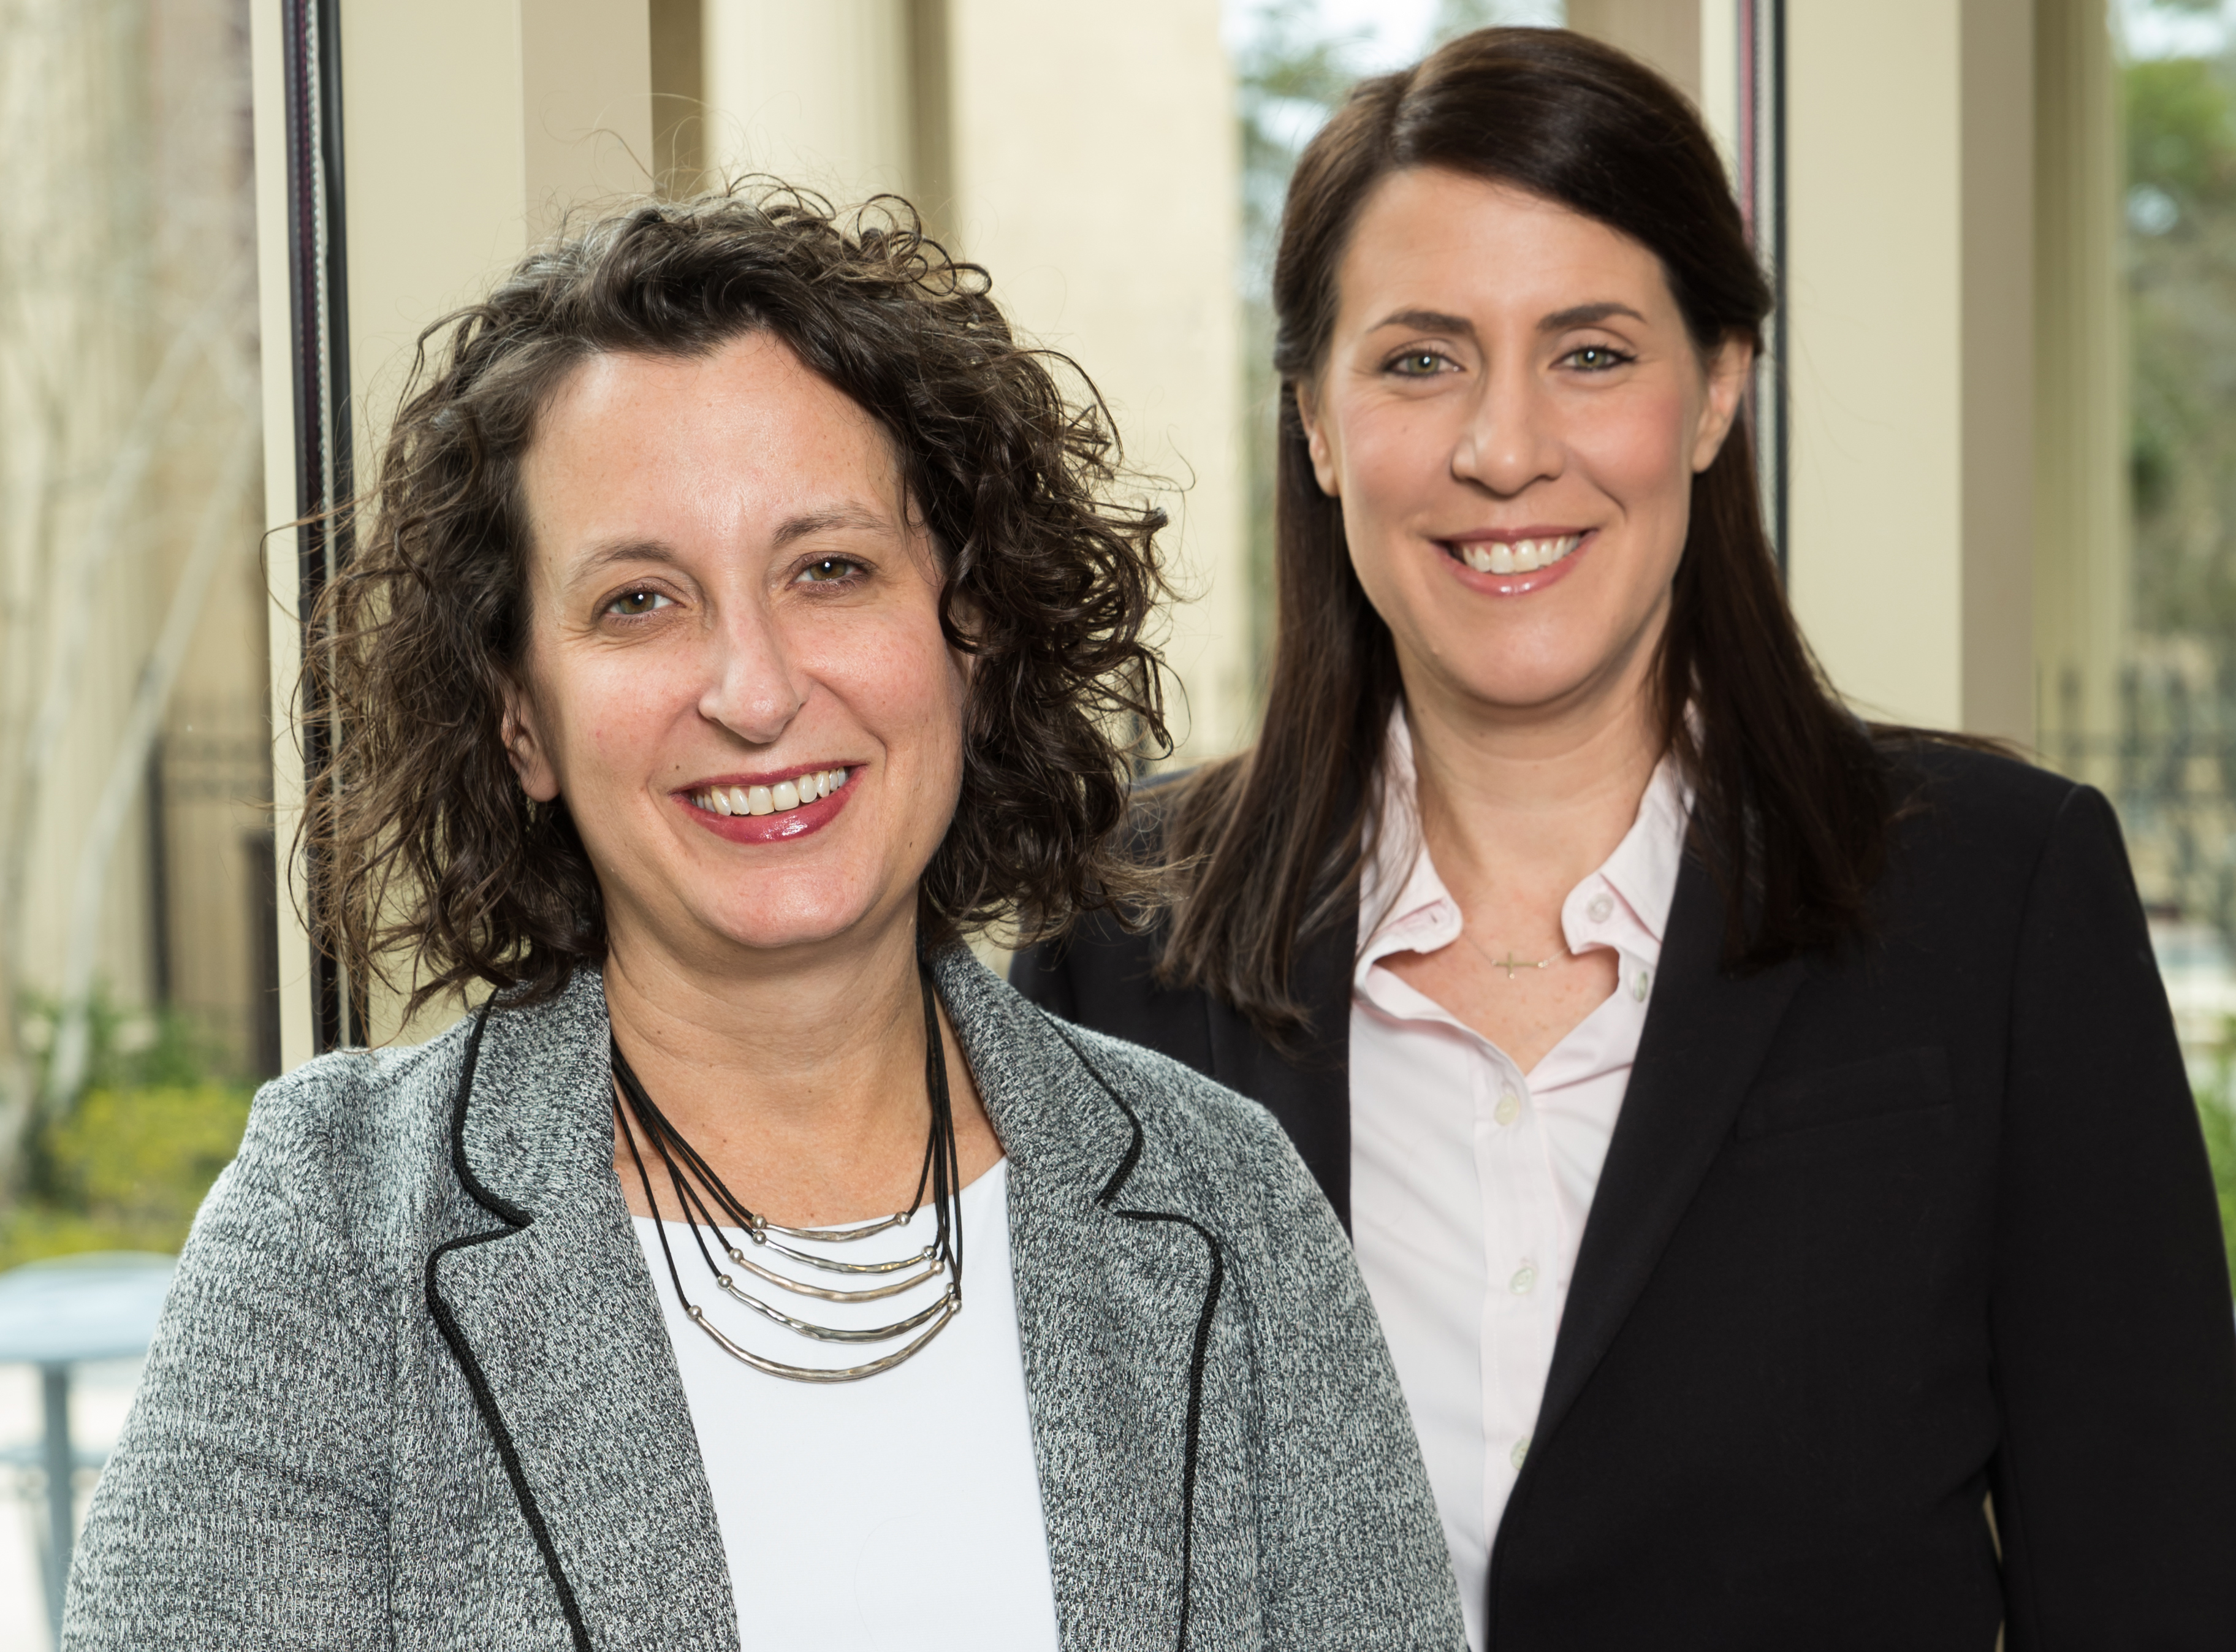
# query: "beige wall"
{"type": "Point", "coordinates": [1095, 157]}
{"type": "Point", "coordinates": [1667, 34]}
{"type": "Point", "coordinates": [1909, 283]}
{"type": "Point", "coordinates": [822, 96]}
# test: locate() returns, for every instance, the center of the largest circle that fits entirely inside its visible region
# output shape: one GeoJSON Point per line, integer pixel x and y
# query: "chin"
{"type": "Point", "coordinates": [765, 921]}
{"type": "Point", "coordinates": [1526, 690]}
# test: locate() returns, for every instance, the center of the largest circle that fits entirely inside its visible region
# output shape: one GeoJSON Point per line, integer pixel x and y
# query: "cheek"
{"type": "Point", "coordinates": [1639, 452]}
{"type": "Point", "coordinates": [1393, 455]}
{"type": "Point", "coordinates": [1396, 459]}
{"type": "Point", "coordinates": [614, 715]}
{"type": "Point", "coordinates": [902, 683]}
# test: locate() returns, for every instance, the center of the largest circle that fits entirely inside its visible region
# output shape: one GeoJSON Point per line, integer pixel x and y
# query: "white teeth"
{"type": "Point", "coordinates": [771, 800]}
{"type": "Point", "coordinates": [1516, 555]}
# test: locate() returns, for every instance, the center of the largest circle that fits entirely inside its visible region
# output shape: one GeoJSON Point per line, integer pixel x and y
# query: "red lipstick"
{"type": "Point", "coordinates": [779, 826]}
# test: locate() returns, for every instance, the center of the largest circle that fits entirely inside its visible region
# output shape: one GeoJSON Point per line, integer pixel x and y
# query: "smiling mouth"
{"type": "Point", "coordinates": [779, 798]}
{"type": "Point", "coordinates": [1513, 556]}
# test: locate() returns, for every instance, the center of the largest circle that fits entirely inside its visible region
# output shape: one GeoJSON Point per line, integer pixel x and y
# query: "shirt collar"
{"type": "Point", "coordinates": [1404, 901]}
{"type": "Point", "coordinates": [1643, 868]}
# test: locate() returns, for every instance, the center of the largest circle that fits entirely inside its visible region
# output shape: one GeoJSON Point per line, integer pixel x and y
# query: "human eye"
{"type": "Point", "coordinates": [1419, 363]}
{"type": "Point", "coordinates": [830, 571]}
{"type": "Point", "coordinates": [1597, 357]}
{"type": "Point", "coordinates": [633, 604]}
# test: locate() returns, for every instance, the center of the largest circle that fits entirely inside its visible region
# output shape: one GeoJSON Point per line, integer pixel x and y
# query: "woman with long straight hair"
{"type": "Point", "coordinates": [1763, 1134]}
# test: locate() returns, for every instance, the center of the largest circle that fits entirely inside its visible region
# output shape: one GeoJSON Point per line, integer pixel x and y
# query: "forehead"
{"type": "Point", "coordinates": [672, 446]}
{"type": "Point", "coordinates": [1430, 238]}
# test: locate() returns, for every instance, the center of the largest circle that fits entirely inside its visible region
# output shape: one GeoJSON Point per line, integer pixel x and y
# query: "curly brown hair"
{"type": "Point", "coordinates": [421, 845]}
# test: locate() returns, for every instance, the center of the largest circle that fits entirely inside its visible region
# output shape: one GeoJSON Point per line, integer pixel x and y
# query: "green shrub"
{"type": "Point", "coordinates": [2220, 1121]}
{"type": "Point", "coordinates": [125, 1171]}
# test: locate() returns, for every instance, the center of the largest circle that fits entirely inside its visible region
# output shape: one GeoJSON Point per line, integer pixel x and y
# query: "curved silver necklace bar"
{"type": "Point", "coordinates": [811, 1374]}
{"type": "Point", "coordinates": [829, 1265]}
{"type": "Point", "coordinates": [943, 1254]}
{"type": "Point", "coordinates": [828, 1334]}
{"type": "Point", "coordinates": [801, 1288]}
{"type": "Point", "coordinates": [828, 1235]}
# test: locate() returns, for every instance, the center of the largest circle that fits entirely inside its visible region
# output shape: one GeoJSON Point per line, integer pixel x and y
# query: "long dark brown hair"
{"type": "Point", "coordinates": [429, 855]}
{"type": "Point", "coordinates": [1264, 850]}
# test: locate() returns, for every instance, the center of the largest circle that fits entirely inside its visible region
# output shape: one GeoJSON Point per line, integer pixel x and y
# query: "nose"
{"type": "Point", "coordinates": [753, 687]}
{"type": "Point", "coordinates": [1509, 440]}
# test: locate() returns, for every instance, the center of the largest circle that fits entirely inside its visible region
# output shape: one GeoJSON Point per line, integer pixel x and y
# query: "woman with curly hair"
{"type": "Point", "coordinates": [742, 621]}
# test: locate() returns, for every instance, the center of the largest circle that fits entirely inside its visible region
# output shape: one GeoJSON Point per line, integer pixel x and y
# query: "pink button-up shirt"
{"type": "Point", "coordinates": [1470, 1178]}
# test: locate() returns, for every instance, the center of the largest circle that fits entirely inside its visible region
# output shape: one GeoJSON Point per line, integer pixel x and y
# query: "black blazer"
{"type": "Point", "coordinates": [1877, 1234]}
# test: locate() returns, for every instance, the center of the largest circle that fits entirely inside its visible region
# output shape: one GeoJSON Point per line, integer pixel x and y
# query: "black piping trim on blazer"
{"type": "Point", "coordinates": [514, 1219]}
{"type": "Point", "coordinates": [1106, 1198]}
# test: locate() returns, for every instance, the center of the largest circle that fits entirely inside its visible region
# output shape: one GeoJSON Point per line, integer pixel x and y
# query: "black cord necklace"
{"type": "Point", "coordinates": [703, 1198]}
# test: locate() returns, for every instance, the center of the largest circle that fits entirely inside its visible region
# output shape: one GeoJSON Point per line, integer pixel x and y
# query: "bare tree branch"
{"type": "Point", "coordinates": [219, 523]}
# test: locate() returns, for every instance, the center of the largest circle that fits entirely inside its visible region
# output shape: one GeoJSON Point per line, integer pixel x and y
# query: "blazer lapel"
{"type": "Point", "coordinates": [1706, 1035]}
{"type": "Point", "coordinates": [1115, 1285]}
{"type": "Point", "coordinates": [547, 1307]}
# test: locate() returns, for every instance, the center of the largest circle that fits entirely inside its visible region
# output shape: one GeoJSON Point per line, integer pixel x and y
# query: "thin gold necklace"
{"type": "Point", "coordinates": [1510, 964]}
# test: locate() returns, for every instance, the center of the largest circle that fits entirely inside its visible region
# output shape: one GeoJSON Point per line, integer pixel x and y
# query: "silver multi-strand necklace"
{"type": "Point", "coordinates": [703, 1198]}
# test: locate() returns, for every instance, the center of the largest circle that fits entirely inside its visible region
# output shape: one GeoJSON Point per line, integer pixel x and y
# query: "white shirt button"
{"type": "Point", "coordinates": [1521, 1450]}
{"type": "Point", "coordinates": [1524, 1281]}
{"type": "Point", "coordinates": [1638, 987]}
{"type": "Point", "coordinates": [1508, 1108]}
{"type": "Point", "coordinates": [1599, 907]}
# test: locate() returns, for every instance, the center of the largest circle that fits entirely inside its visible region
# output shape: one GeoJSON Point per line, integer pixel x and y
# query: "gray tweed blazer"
{"type": "Point", "coordinates": [412, 1388]}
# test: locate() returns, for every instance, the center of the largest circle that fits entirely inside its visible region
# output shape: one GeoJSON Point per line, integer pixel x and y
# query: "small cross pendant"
{"type": "Point", "coordinates": [1510, 964]}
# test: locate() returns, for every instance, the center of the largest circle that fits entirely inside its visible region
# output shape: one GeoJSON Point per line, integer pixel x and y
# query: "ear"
{"type": "Point", "coordinates": [1318, 441]}
{"type": "Point", "coordinates": [525, 745]}
{"type": "Point", "coordinates": [1728, 370]}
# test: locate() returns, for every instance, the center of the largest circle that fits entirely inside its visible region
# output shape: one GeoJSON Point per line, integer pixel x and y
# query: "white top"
{"type": "Point", "coordinates": [902, 1510]}
{"type": "Point", "coordinates": [1470, 1180]}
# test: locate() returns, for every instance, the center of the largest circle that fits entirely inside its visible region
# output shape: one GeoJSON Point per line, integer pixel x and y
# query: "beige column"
{"type": "Point", "coordinates": [1095, 157]}
{"type": "Point", "coordinates": [1667, 34]}
{"type": "Point", "coordinates": [1910, 135]}
{"type": "Point", "coordinates": [469, 129]}
{"type": "Point", "coordinates": [1717, 92]}
{"type": "Point", "coordinates": [821, 95]}
{"type": "Point", "coordinates": [2082, 512]}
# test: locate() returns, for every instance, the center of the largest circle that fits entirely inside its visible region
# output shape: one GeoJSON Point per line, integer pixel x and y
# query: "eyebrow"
{"type": "Point", "coordinates": [795, 528]}
{"type": "Point", "coordinates": [1584, 315]}
{"type": "Point", "coordinates": [809, 524]}
{"type": "Point", "coordinates": [624, 551]}
{"type": "Point", "coordinates": [1577, 315]}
